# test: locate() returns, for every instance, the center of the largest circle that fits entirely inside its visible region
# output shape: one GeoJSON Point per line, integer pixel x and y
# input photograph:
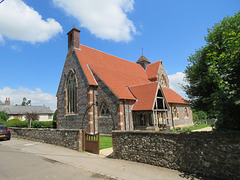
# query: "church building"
{"type": "Point", "coordinates": [99, 92]}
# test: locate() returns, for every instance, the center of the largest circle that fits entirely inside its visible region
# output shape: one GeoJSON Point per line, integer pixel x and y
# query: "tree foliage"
{"type": "Point", "coordinates": [3, 116]}
{"type": "Point", "coordinates": [213, 74]}
{"type": "Point", "coordinates": [31, 117]}
{"type": "Point", "coordinates": [26, 102]}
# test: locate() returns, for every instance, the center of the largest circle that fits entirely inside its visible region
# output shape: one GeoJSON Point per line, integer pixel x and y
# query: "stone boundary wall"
{"type": "Point", "coordinates": [69, 138]}
{"type": "Point", "coordinates": [215, 155]}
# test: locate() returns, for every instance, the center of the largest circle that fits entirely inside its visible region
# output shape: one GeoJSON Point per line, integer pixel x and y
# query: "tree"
{"type": "Point", "coordinates": [26, 102]}
{"type": "Point", "coordinates": [3, 116]}
{"type": "Point", "coordinates": [31, 117]}
{"type": "Point", "coordinates": [213, 74]}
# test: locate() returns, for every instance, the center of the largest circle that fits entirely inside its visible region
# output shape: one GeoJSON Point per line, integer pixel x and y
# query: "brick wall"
{"type": "Point", "coordinates": [208, 154]}
{"type": "Point", "coordinates": [71, 139]}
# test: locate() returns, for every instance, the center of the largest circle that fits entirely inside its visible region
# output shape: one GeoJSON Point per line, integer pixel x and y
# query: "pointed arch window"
{"type": "Point", "coordinates": [175, 112]}
{"type": "Point", "coordinates": [185, 112]}
{"type": "Point", "coordinates": [104, 111]}
{"type": "Point", "coordinates": [163, 81]}
{"type": "Point", "coordinates": [71, 93]}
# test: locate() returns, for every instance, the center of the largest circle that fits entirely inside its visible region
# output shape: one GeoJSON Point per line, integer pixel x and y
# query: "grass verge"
{"type": "Point", "coordinates": [105, 142]}
{"type": "Point", "coordinates": [195, 127]}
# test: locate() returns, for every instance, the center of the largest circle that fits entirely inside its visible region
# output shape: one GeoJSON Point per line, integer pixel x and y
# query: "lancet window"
{"type": "Point", "coordinates": [71, 93]}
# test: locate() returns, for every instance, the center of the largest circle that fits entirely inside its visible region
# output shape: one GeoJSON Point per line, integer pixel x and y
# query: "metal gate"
{"type": "Point", "coordinates": [91, 142]}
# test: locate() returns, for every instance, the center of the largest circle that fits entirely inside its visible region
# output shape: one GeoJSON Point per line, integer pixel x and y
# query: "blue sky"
{"type": "Point", "coordinates": [33, 40]}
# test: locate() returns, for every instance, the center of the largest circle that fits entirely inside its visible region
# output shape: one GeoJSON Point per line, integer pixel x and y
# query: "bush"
{"type": "Point", "coordinates": [3, 116]}
{"type": "Point", "coordinates": [42, 124]}
{"type": "Point", "coordinates": [2, 122]}
{"type": "Point", "coordinates": [24, 124]}
{"type": "Point", "coordinates": [16, 123]}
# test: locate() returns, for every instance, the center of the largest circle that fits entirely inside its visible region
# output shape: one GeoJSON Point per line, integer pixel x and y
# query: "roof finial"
{"type": "Point", "coordinates": [142, 51]}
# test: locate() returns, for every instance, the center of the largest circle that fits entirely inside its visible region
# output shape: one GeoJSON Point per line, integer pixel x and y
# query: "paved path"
{"type": "Point", "coordinates": [203, 129]}
{"type": "Point", "coordinates": [108, 168]}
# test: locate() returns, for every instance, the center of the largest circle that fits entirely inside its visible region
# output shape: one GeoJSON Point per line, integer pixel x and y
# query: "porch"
{"type": "Point", "coordinates": [150, 120]}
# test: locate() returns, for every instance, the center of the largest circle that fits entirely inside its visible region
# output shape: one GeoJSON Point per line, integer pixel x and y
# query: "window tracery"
{"type": "Point", "coordinates": [104, 111]}
{"type": "Point", "coordinates": [71, 93]}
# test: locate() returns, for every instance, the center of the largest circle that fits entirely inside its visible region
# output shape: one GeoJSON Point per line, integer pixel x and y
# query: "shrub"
{"type": "Point", "coordinates": [24, 124]}
{"type": "Point", "coordinates": [2, 122]}
{"type": "Point", "coordinates": [3, 116]}
{"type": "Point", "coordinates": [16, 123]}
{"type": "Point", "coordinates": [42, 124]}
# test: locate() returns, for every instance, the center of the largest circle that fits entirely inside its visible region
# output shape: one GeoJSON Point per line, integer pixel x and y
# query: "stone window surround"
{"type": "Point", "coordinates": [186, 113]}
{"type": "Point", "coordinates": [67, 113]}
{"type": "Point", "coordinates": [175, 113]}
{"type": "Point", "coordinates": [104, 110]}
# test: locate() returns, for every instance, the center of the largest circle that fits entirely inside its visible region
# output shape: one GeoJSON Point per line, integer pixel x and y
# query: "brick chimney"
{"type": "Point", "coordinates": [7, 101]}
{"type": "Point", "coordinates": [73, 39]}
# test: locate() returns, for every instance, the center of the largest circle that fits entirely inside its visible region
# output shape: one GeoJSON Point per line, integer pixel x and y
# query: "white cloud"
{"type": "Point", "coordinates": [21, 22]}
{"type": "Point", "coordinates": [175, 82]}
{"type": "Point", "coordinates": [37, 97]}
{"type": "Point", "coordinates": [16, 48]}
{"type": "Point", "coordinates": [107, 19]}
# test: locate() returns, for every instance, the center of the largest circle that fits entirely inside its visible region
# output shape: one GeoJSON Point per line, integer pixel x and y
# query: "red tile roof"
{"type": "Point", "coordinates": [152, 70]}
{"type": "Point", "coordinates": [146, 95]}
{"type": "Point", "coordinates": [173, 97]}
{"type": "Point", "coordinates": [115, 72]}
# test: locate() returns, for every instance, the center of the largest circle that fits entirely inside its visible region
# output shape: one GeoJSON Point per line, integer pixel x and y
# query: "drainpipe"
{"type": "Point", "coordinates": [129, 117]}
{"type": "Point", "coordinates": [93, 111]}
{"type": "Point", "coordinates": [172, 117]}
{"type": "Point", "coordinates": [124, 115]}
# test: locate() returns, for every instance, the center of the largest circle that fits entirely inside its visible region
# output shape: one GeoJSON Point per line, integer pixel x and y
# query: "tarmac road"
{"type": "Point", "coordinates": [17, 164]}
{"type": "Point", "coordinates": [23, 159]}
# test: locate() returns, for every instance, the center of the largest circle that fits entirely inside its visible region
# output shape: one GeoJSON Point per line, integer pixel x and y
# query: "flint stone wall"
{"type": "Point", "coordinates": [71, 139]}
{"type": "Point", "coordinates": [207, 154]}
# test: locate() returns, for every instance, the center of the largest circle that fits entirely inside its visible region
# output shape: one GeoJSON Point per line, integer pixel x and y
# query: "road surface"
{"type": "Point", "coordinates": [23, 159]}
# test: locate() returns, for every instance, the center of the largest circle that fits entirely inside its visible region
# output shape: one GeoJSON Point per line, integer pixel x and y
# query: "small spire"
{"type": "Point", "coordinates": [142, 51]}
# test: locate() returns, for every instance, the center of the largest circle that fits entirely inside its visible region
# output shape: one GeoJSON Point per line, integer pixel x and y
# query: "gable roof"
{"type": "Point", "coordinates": [152, 70]}
{"type": "Point", "coordinates": [173, 97]}
{"type": "Point", "coordinates": [115, 72]}
{"type": "Point", "coordinates": [13, 109]}
{"type": "Point", "coordinates": [146, 95]}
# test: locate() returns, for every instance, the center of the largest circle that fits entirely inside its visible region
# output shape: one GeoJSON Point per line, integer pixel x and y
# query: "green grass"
{"type": "Point", "coordinates": [105, 142]}
{"type": "Point", "coordinates": [185, 129]}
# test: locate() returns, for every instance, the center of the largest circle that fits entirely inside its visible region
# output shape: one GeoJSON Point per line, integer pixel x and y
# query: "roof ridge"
{"type": "Point", "coordinates": [157, 61]}
{"type": "Point", "coordinates": [144, 84]}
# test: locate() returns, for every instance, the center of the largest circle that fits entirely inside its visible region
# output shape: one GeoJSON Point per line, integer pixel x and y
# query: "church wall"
{"type": "Point", "coordinates": [181, 120]}
{"type": "Point", "coordinates": [66, 121]}
{"type": "Point", "coordinates": [105, 95]}
{"type": "Point", "coordinates": [116, 120]}
{"type": "Point", "coordinates": [128, 115]}
{"type": "Point", "coordinates": [162, 72]}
